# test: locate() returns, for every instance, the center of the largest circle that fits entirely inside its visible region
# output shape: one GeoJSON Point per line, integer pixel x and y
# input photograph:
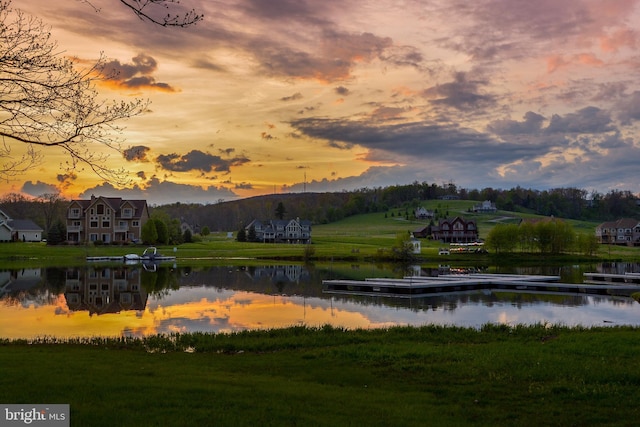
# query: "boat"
{"type": "Point", "coordinates": [149, 254]}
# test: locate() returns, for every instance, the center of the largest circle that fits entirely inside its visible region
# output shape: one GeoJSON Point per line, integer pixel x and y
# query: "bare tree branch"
{"type": "Point", "coordinates": [169, 20]}
{"type": "Point", "coordinates": [165, 13]}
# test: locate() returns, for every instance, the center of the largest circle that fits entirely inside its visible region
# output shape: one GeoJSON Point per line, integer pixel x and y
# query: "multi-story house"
{"type": "Point", "coordinates": [455, 230]}
{"type": "Point", "coordinates": [106, 219]}
{"type": "Point", "coordinates": [625, 231]}
{"type": "Point", "coordinates": [486, 206]}
{"type": "Point", "coordinates": [280, 231]}
{"type": "Point", "coordinates": [422, 213]}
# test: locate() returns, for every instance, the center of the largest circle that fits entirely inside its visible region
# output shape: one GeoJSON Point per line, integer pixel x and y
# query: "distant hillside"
{"type": "Point", "coordinates": [323, 208]}
{"type": "Point", "coordinates": [230, 216]}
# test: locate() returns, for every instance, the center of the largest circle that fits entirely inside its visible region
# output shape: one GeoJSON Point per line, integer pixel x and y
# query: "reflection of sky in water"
{"type": "Point", "coordinates": [222, 310]}
{"type": "Point", "coordinates": [259, 304]}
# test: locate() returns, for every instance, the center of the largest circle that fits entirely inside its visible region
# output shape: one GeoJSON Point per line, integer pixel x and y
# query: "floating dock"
{"type": "Point", "coordinates": [605, 278]}
{"type": "Point", "coordinates": [420, 286]}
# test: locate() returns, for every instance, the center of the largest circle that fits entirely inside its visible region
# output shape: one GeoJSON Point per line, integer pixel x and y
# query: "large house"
{"type": "Point", "coordinates": [280, 231]}
{"type": "Point", "coordinates": [106, 219]}
{"type": "Point", "coordinates": [455, 230]}
{"type": "Point", "coordinates": [625, 231]}
{"type": "Point", "coordinates": [422, 213]}
{"type": "Point", "coordinates": [486, 206]}
{"type": "Point", "coordinates": [12, 230]}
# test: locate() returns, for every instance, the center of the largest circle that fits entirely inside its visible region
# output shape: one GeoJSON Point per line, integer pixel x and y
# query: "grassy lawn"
{"type": "Point", "coordinates": [533, 375]}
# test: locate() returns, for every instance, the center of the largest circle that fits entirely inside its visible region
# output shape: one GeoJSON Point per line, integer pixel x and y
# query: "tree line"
{"type": "Point", "coordinates": [551, 237]}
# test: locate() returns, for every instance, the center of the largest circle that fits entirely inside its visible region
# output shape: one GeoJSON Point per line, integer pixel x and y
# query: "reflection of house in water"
{"type": "Point", "coordinates": [104, 290]}
{"type": "Point", "coordinates": [281, 273]}
{"type": "Point", "coordinates": [12, 281]}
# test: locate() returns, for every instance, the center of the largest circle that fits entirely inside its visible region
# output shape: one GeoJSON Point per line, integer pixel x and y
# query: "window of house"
{"type": "Point", "coordinates": [126, 213]}
{"type": "Point", "coordinates": [75, 213]}
{"type": "Point", "coordinates": [136, 223]}
{"type": "Point", "coordinates": [93, 236]}
{"type": "Point", "coordinates": [106, 238]}
{"type": "Point", "coordinates": [100, 209]}
{"type": "Point", "coordinates": [93, 224]}
{"type": "Point", "coordinates": [106, 224]}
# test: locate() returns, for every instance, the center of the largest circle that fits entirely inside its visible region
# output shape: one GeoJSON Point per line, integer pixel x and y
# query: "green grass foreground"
{"type": "Point", "coordinates": [443, 376]}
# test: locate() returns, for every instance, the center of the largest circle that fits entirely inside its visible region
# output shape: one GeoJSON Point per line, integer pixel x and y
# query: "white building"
{"type": "Point", "coordinates": [13, 230]}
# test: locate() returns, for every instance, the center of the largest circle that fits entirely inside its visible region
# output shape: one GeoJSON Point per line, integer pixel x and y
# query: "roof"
{"type": "Point", "coordinates": [115, 203]}
{"type": "Point", "coordinates": [621, 223]}
{"type": "Point", "coordinates": [24, 225]}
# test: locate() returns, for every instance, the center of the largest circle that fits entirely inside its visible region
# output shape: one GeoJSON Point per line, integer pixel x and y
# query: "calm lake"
{"type": "Point", "coordinates": [140, 300]}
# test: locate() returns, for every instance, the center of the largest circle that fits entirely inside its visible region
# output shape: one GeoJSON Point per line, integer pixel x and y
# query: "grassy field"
{"type": "Point", "coordinates": [354, 238]}
{"type": "Point", "coordinates": [524, 376]}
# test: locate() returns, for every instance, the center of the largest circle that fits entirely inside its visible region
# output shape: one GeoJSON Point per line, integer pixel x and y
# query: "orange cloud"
{"type": "Point", "coordinates": [619, 39]}
{"type": "Point", "coordinates": [556, 62]}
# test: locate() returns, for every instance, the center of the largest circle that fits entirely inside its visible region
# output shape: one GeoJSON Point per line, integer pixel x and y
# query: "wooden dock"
{"type": "Point", "coordinates": [420, 286]}
{"type": "Point", "coordinates": [606, 278]}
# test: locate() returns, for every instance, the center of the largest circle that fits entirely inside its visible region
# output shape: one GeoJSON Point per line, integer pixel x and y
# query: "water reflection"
{"type": "Point", "coordinates": [130, 300]}
{"type": "Point", "coordinates": [104, 290]}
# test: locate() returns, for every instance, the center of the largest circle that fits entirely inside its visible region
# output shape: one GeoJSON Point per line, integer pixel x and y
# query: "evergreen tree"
{"type": "Point", "coordinates": [242, 235]}
{"type": "Point", "coordinates": [187, 236]}
{"type": "Point", "coordinates": [251, 236]}
{"type": "Point", "coordinates": [149, 233]}
{"type": "Point", "coordinates": [162, 230]}
{"type": "Point", "coordinates": [280, 211]}
{"type": "Point", "coordinates": [57, 233]}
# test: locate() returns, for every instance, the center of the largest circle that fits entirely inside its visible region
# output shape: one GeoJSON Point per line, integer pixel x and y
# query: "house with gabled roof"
{"type": "Point", "coordinates": [455, 230]}
{"type": "Point", "coordinates": [13, 230]}
{"type": "Point", "coordinates": [625, 231]}
{"type": "Point", "coordinates": [486, 206]}
{"type": "Point", "coordinates": [280, 231]}
{"type": "Point", "coordinates": [106, 220]}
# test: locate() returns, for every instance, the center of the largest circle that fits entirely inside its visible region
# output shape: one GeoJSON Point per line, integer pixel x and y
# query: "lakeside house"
{"type": "Point", "coordinates": [625, 231]}
{"type": "Point", "coordinates": [13, 230]}
{"type": "Point", "coordinates": [280, 231]}
{"type": "Point", "coordinates": [106, 219]}
{"type": "Point", "coordinates": [455, 230]}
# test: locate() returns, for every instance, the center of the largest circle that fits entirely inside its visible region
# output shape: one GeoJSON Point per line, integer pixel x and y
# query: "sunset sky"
{"type": "Point", "coordinates": [262, 96]}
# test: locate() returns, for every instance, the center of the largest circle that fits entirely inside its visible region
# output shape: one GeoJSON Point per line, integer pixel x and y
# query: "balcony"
{"type": "Point", "coordinates": [121, 228]}
{"type": "Point", "coordinates": [74, 228]}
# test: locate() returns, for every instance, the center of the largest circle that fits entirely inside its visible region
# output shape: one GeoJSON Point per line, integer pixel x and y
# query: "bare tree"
{"type": "Point", "coordinates": [47, 100]}
{"type": "Point", "coordinates": [52, 205]}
